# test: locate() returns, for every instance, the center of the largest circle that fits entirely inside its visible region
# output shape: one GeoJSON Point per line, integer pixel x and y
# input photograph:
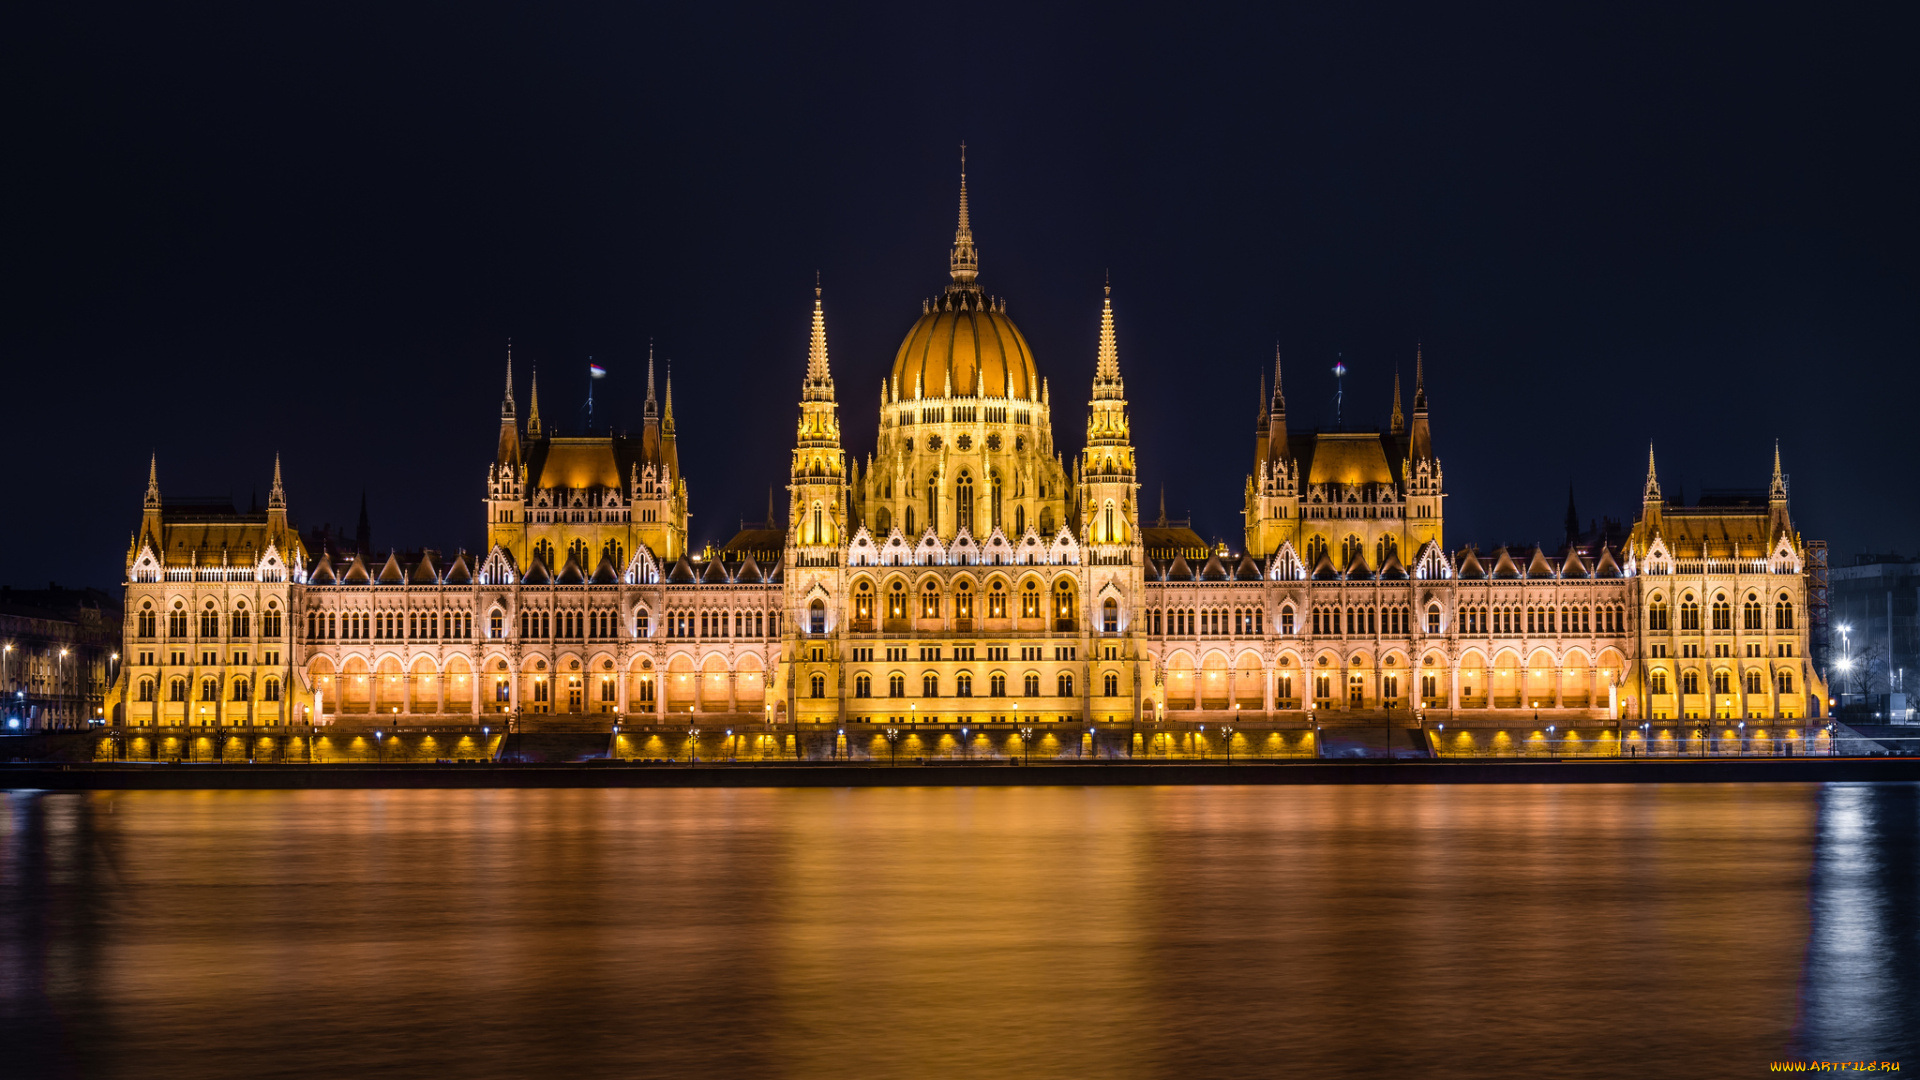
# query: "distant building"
{"type": "Point", "coordinates": [1877, 599]}
{"type": "Point", "coordinates": [58, 654]}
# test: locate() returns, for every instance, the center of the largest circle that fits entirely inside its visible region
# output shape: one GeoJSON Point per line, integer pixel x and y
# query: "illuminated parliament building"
{"type": "Point", "coordinates": [972, 583]}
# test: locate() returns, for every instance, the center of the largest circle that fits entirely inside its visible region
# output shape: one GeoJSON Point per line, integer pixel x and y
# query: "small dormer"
{"type": "Point", "coordinates": [391, 572]}
{"type": "Point", "coordinates": [1470, 568]}
{"type": "Point", "coordinates": [457, 572]}
{"type": "Point", "coordinates": [357, 573]}
{"type": "Point", "coordinates": [1504, 568]}
{"type": "Point", "coordinates": [1285, 564]}
{"type": "Point", "coordinates": [1573, 566]}
{"type": "Point", "coordinates": [1538, 567]}
{"type": "Point", "coordinates": [1606, 567]}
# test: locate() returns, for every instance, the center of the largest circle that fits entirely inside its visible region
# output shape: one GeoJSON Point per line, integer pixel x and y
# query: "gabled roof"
{"type": "Point", "coordinates": [749, 573]}
{"type": "Point", "coordinates": [716, 574]}
{"type": "Point", "coordinates": [537, 572]}
{"type": "Point", "coordinates": [322, 573]}
{"type": "Point", "coordinates": [357, 573]}
{"type": "Point", "coordinates": [1214, 570]}
{"type": "Point", "coordinates": [1391, 570]}
{"type": "Point", "coordinates": [1179, 570]}
{"type": "Point", "coordinates": [391, 572]}
{"type": "Point", "coordinates": [571, 572]}
{"type": "Point", "coordinates": [1503, 567]}
{"type": "Point", "coordinates": [606, 573]}
{"type": "Point", "coordinates": [424, 571]}
{"type": "Point", "coordinates": [1607, 567]}
{"type": "Point", "coordinates": [1538, 566]}
{"type": "Point", "coordinates": [682, 573]}
{"type": "Point", "coordinates": [458, 573]}
{"type": "Point", "coordinates": [1573, 566]}
{"type": "Point", "coordinates": [1470, 568]}
{"type": "Point", "coordinates": [1323, 570]}
{"type": "Point", "coordinates": [1247, 570]}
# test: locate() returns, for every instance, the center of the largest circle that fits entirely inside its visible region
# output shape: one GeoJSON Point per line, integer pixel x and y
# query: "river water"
{"type": "Point", "coordinates": [1563, 931]}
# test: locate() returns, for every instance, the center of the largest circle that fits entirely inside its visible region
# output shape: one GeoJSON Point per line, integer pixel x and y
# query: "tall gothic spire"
{"type": "Point", "coordinates": [533, 406]}
{"type": "Point", "coordinates": [1106, 371]}
{"type": "Point", "coordinates": [1652, 491]}
{"type": "Point", "coordinates": [964, 263]}
{"type": "Point", "coordinates": [506, 404]}
{"type": "Point", "coordinates": [1399, 424]}
{"type": "Point", "coordinates": [1420, 437]}
{"type": "Point", "coordinates": [153, 481]}
{"type": "Point", "coordinates": [276, 495]}
{"type": "Point", "coordinates": [1279, 403]}
{"type": "Point", "coordinates": [819, 384]}
{"type": "Point", "coordinates": [1778, 488]}
{"type": "Point", "coordinates": [666, 421]}
{"type": "Point", "coordinates": [652, 406]}
{"type": "Point", "coordinates": [1419, 381]}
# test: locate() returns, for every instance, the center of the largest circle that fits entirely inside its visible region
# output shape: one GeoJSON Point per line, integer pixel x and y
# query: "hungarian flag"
{"type": "Point", "coordinates": [596, 371]}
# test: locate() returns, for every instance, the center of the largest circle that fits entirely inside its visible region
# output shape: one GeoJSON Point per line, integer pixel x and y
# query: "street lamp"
{"type": "Point", "coordinates": [60, 684]}
{"type": "Point", "coordinates": [893, 746]}
{"type": "Point", "coordinates": [1026, 743]}
{"type": "Point", "coordinates": [380, 747]}
{"type": "Point", "coordinates": [1226, 736]}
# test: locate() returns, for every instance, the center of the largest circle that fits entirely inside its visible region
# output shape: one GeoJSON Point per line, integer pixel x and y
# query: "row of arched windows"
{"type": "Point", "coordinates": [239, 621]}
{"type": "Point", "coordinates": [1754, 681]}
{"type": "Point", "coordinates": [1720, 612]}
{"type": "Point", "coordinates": [210, 690]}
{"type": "Point", "coordinates": [963, 685]}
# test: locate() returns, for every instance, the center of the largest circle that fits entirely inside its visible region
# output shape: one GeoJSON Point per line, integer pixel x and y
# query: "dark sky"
{"type": "Point", "coordinates": [313, 229]}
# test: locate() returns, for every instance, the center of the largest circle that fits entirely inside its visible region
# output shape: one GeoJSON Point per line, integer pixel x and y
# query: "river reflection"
{"type": "Point", "coordinates": [1523, 931]}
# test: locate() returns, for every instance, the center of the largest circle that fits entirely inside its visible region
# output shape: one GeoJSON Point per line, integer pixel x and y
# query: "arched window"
{"type": "Point", "coordinates": [1062, 605]}
{"type": "Point", "coordinates": [963, 502]}
{"type": "Point", "coordinates": [1286, 619]}
{"type": "Point", "coordinates": [209, 690]}
{"type": "Point", "coordinates": [863, 685]}
{"type": "Point", "coordinates": [897, 601]}
{"type": "Point", "coordinates": [993, 497]}
{"type": "Point", "coordinates": [1689, 613]}
{"type": "Point", "coordinates": [896, 685]}
{"type": "Point", "coordinates": [883, 521]}
{"type": "Point", "coordinates": [1657, 682]}
{"type": "Point", "coordinates": [1066, 684]}
{"type": "Point", "coordinates": [1752, 615]}
{"type": "Point", "coordinates": [209, 622]}
{"type": "Point", "coordinates": [240, 690]}
{"type": "Point", "coordinates": [819, 524]}
{"type": "Point", "coordinates": [1657, 613]}
{"type": "Point", "coordinates": [1110, 615]}
{"type": "Point", "coordinates": [1755, 684]}
{"type": "Point", "coordinates": [1722, 612]}
{"type": "Point", "coordinates": [1019, 521]}
{"type": "Point", "coordinates": [963, 600]}
{"type": "Point", "coordinates": [147, 623]}
{"type": "Point", "coordinates": [817, 617]}
{"type": "Point", "coordinates": [1110, 528]}
{"type": "Point", "coordinates": [1723, 681]}
{"type": "Point", "coordinates": [997, 684]}
{"type": "Point", "coordinates": [933, 503]}
{"type": "Point", "coordinates": [1783, 612]}
{"type": "Point", "coordinates": [930, 600]}
{"type": "Point", "coordinates": [1433, 618]}
{"type": "Point", "coordinates": [270, 690]}
{"type": "Point", "coordinates": [1783, 681]}
{"type": "Point", "coordinates": [1031, 684]}
{"type": "Point", "coordinates": [910, 528]}
{"type": "Point", "coordinates": [930, 685]}
{"type": "Point", "coordinates": [1030, 600]}
{"type": "Point", "coordinates": [642, 623]}
{"type": "Point", "coordinates": [146, 690]}
{"type": "Point", "coordinates": [496, 623]}
{"type": "Point", "coordinates": [177, 620]}
{"type": "Point", "coordinates": [177, 690]}
{"type": "Point", "coordinates": [963, 685]}
{"type": "Point", "coordinates": [1690, 682]}
{"type": "Point", "coordinates": [863, 606]}
{"type": "Point", "coordinates": [1110, 685]}
{"type": "Point", "coordinates": [818, 684]}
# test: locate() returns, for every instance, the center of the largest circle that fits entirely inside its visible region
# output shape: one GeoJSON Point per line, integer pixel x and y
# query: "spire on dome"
{"type": "Point", "coordinates": [533, 406]}
{"type": "Point", "coordinates": [276, 495]}
{"type": "Point", "coordinates": [964, 263]}
{"type": "Point", "coordinates": [1778, 488]}
{"type": "Point", "coordinates": [1399, 424]}
{"type": "Point", "coordinates": [153, 482]}
{"type": "Point", "coordinates": [1652, 491]}
{"type": "Point", "coordinates": [506, 404]}
{"type": "Point", "coordinates": [652, 406]}
{"type": "Point", "coordinates": [1106, 371]}
{"type": "Point", "coordinates": [819, 384]}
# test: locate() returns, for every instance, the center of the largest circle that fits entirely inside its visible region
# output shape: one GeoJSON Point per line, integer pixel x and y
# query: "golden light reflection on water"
{"type": "Point", "coordinates": [1568, 931]}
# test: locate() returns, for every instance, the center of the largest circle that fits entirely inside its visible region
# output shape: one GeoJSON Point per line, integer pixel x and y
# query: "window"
{"type": "Point", "coordinates": [1658, 682]}
{"type": "Point", "coordinates": [896, 685]}
{"type": "Point", "coordinates": [1783, 612]}
{"type": "Point", "coordinates": [930, 601]}
{"type": "Point", "coordinates": [1110, 685]}
{"type": "Point", "coordinates": [963, 502]}
{"type": "Point", "coordinates": [1283, 687]}
{"type": "Point", "coordinates": [818, 685]}
{"type": "Point", "coordinates": [997, 601]}
{"type": "Point", "coordinates": [1751, 614]}
{"type": "Point", "coordinates": [1689, 682]}
{"type": "Point", "coordinates": [863, 685]}
{"type": "Point", "coordinates": [1031, 684]}
{"type": "Point", "coordinates": [177, 690]}
{"type": "Point", "coordinates": [496, 623]}
{"type": "Point", "coordinates": [1286, 619]}
{"type": "Point", "coordinates": [146, 621]}
{"type": "Point", "coordinates": [209, 622]}
{"type": "Point", "coordinates": [993, 485]}
{"type": "Point", "coordinates": [1062, 606]}
{"type": "Point", "coordinates": [863, 606]}
{"type": "Point", "coordinates": [209, 690]}
{"type": "Point", "coordinates": [897, 601]}
{"type": "Point", "coordinates": [1783, 681]}
{"type": "Point", "coordinates": [146, 690]}
{"type": "Point", "coordinates": [1065, 684]}
{"type": "Point", "coordinates": [1030, 601]}
{"type": "Point", "coordinates": [177, 621]}
{"type": "Point", "coordinates": [933, 503]}
{"type": "Point", "coordinates": [1689, 613]}
{"type": "Point", "coordinates": [963, 685]}
{"type": "Point", "coordinates": [1657, 614]}
{"type": "Point", "coordinates": [502, 692]}
{"type": "Point", "coordinates": [817, 617]}
{"type": "Point", "coordinates": [930, 685]}
{"type": "Point", "coordinates": [1723, 681]}
{"type": "Point", "coordinates": [642, 627]}
{"type": "Point", "coordinates": [1433, 618]}
{"type": "Point", "coordinates": [1110, 615]}
{"type": "Point", "coordinates": [240, 690]}
{"type": "Point", "coordinates": [1722, 613]}
{"type": "Point", "coordinates": [1755, 684]}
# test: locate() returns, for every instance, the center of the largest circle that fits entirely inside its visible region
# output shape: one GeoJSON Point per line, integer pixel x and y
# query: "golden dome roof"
{"type": "Point", "coordinates": [967, 344]}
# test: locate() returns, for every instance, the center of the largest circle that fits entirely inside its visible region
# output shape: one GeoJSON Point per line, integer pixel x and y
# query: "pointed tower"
{"type": "Point", "coordinates": [150, 516]}
{"type": "Point", "coordinates": [363, 532]}
{"type": "Point", "coordinates": [1272, 508]}
{"type": "Point", "coordinates": [506, 480]}
{"type": "Point", "coordinates": [533, 405]}
{"type": "Point", "coordinates": [964, 263]}
{"type": "Point", "coordinates": [1572, 522]}
{"type": "Point", "coordinates": [1398, 425]}
{"type": "Point", "coordinates": [1778, 518]}
{"type": "Point", "coordinates": [1107, 494]}
{"type": "Point", "coordinates": [277, 512]}
{"type": "Point", "coordinates": [817, 489]}
{"type": "Point", "coordinates": [1421, 474]}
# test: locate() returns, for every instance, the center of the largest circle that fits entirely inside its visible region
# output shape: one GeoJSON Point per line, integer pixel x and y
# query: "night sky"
{"type": "Point", "coordinates": [313, 230]}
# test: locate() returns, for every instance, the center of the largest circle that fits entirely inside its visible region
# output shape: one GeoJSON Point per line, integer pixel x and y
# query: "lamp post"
{"type": "Point", "coordinates": [693, 745]}
{"type": "Point", "coordinates": [6, 668]}
{"type": "Point", "coordinates": [380, 747]}
{"type": "Point", "coordinates": [893, 745]}
{"type": "Point", "coordinates": [1226, 737]}
{"type": "Point", "coordinates": [60, 686]}
{"type": "Point", "coordinates": [1026, 743]}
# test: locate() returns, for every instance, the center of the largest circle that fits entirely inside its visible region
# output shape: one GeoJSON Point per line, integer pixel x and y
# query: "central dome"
{"type": "Point", "coordinates": [974, 344]}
